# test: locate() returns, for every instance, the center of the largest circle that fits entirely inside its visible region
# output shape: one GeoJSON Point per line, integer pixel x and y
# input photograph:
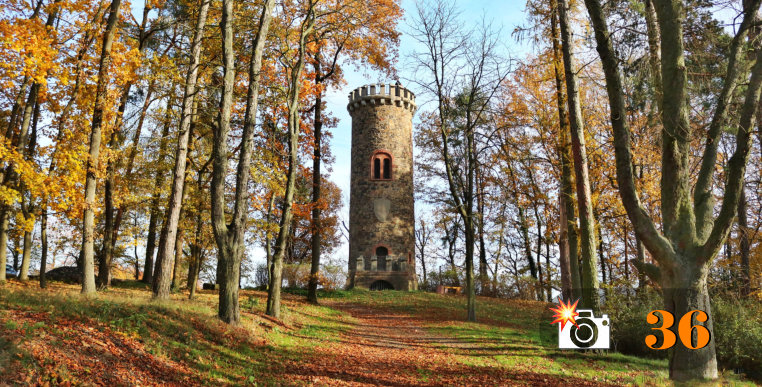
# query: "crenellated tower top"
{"type": "Point", "coordinates": [382, 94]}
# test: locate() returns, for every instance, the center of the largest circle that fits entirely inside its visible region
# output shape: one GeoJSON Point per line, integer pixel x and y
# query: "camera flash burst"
{"type": "Point", "coordinates": [565, 313]}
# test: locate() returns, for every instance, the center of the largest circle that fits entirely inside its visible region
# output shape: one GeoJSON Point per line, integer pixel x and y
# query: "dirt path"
{"type": "Point", "coordinates": [393, 349]}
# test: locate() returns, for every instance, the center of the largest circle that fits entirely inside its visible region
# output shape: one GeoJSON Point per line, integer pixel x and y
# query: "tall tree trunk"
{"type": "Point", "coordinates": [498, 254]}
{"type": "Point", "coordinates": [273, 293]}
{"type": "Point", "coordinates": [151, 239]}
{"type": "Point", "coordinates": [587, 223]}
{"type": "Point", "coordinates": [523, 225]}
{"type": "Point", "coordinates": [26, 256]}
{"type": "Point", "coordinates": [471, 301]}
{"type": "Point", "coordinates": [3, 241]}
{"type": "Point", "coordinates": [178, 248]}
{"type": "Point", "coordinates": [162, 283]}
{"type": "Point", "coordinates": [107, 250]}
{"type": "Point", "coordinates": [563, 250]}
{"type": "Point", "coordinates": [17, 242]}
{"type": "Point", "coordinates": [540, 280]}
{"type": "Point", "coordinates": [44, 243]}
{"type": "Point", "coordinates": [316, 226]}
{"type": "Point", "coordinates": [88, 237]}
{"type": "Point", "coordinates": [26, 145]}
{"type": "Point", "coordinates": [549, 285]}
{"type": "Point", "coordinates": [230, 237]}
{"type": "Point", "coordinates": [483, 265]}
{"type": "Point", "coordinates": [640, 262]}
{"type": "Point", "coordinates": [602, 261]}
{"type": "Point", "coordinates": [189, 284]}
{"type": "Point", "coordinates": [480, 206]}
{"type": "Point", "coordinates": [195, 266]}
{"type": "Point", "coordinates": [227, 268]}
{"type": "Point", "coordinates": [744, 245]}
{"type": "Point", "coordinates": [626, 257]}
{"type": "Point", "coordinates": [155, 211]}
{"type": "Point", "coordinates": [422, 239]}
{"type": "Point", "coordinates": [423, 268]}
{"type": "Point", "coordinates": [194, 272]}
{"type": "Point", "coordinates": [135, 251]}
{"type": "Point", "coordinates": [228, 309]}
{"type": "Point", "coordinates": [137, 262]}
{"type": "Point", "coordinates": [17, 104]}
{"type": "Point", "coordinates": [178, 260]}
{"type": "Point", "coordinates": [113, 221]}
{"type": "Point", "coordinates": [601, 258]}
{"type": "Point", "coordinates": [564, 151]}
{"type": "Point", "coordinates": [452, 245]}
{"type": "Point", "coordinates": [268, 244]}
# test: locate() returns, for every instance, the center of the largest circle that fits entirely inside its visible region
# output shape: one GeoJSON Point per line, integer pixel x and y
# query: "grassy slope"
{"type": "Point", "coordinates": [121, 336]}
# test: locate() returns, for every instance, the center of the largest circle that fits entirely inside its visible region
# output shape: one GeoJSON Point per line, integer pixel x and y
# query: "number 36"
{"type": "Point", "coordinates": [684, 329]}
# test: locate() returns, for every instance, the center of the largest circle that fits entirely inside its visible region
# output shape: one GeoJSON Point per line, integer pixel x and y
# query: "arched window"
{"type": "Point", "coordinates": [382, 251]}
{"type": "Point", "coordinates": [381, 166]}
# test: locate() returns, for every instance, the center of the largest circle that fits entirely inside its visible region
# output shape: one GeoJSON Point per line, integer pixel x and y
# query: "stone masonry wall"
{"type": "Point", "coordinates": [382, 121]}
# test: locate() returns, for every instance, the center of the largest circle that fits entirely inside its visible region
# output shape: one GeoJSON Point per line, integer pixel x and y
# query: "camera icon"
{"type": "Point", "coordinates": [590, 332]}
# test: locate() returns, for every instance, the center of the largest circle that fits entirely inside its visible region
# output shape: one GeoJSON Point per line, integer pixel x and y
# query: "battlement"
{"type": "Point", "coordinates": [382, 94]}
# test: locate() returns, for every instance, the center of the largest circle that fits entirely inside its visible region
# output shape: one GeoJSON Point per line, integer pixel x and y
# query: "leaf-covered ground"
{"type": "Point", "coordinates": [121, 337]}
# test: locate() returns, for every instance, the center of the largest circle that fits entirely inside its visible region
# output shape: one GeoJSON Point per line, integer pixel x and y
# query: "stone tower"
{"type": "Point", "coordinates": [381, 212]}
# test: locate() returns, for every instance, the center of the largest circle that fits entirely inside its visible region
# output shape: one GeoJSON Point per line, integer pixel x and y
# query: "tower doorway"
{"type": "Point", "coordinates": [381, 254]}
{"type": "Point", "coordinates": [381, 285]}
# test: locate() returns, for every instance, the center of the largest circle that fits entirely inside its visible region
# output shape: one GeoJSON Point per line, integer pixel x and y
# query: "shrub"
{"type": "Point", "coordinates": [738, 335]}
{"type": "Point", "coordinates": [330, 276]}
{"type": "Point", "coordinates": [296, 275]}
{"type": "Point", "coordinates": [334, 275]}
{"type": "Point", "coordinates": [627, 314]}
{"type": "Point", "coordinates": [737, 328]}
{"type": "Point", "coordinates": [445, 278]}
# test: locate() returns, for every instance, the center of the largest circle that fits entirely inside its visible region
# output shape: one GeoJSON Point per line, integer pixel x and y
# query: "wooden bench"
{"type": "Point", "coordinates": [449, 289]}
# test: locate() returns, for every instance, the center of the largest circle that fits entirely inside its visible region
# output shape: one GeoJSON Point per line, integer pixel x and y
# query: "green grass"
{"type": "Point", "coordinates": [517, 334]}
{"type": "Point", "coordinates": [509, 335]}
{"type": "Point", "coordinates": [185, 331]}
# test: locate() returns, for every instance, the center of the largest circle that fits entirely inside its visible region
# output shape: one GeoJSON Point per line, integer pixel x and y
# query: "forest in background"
{"type": "Point", "coordinates": [622, 153]}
